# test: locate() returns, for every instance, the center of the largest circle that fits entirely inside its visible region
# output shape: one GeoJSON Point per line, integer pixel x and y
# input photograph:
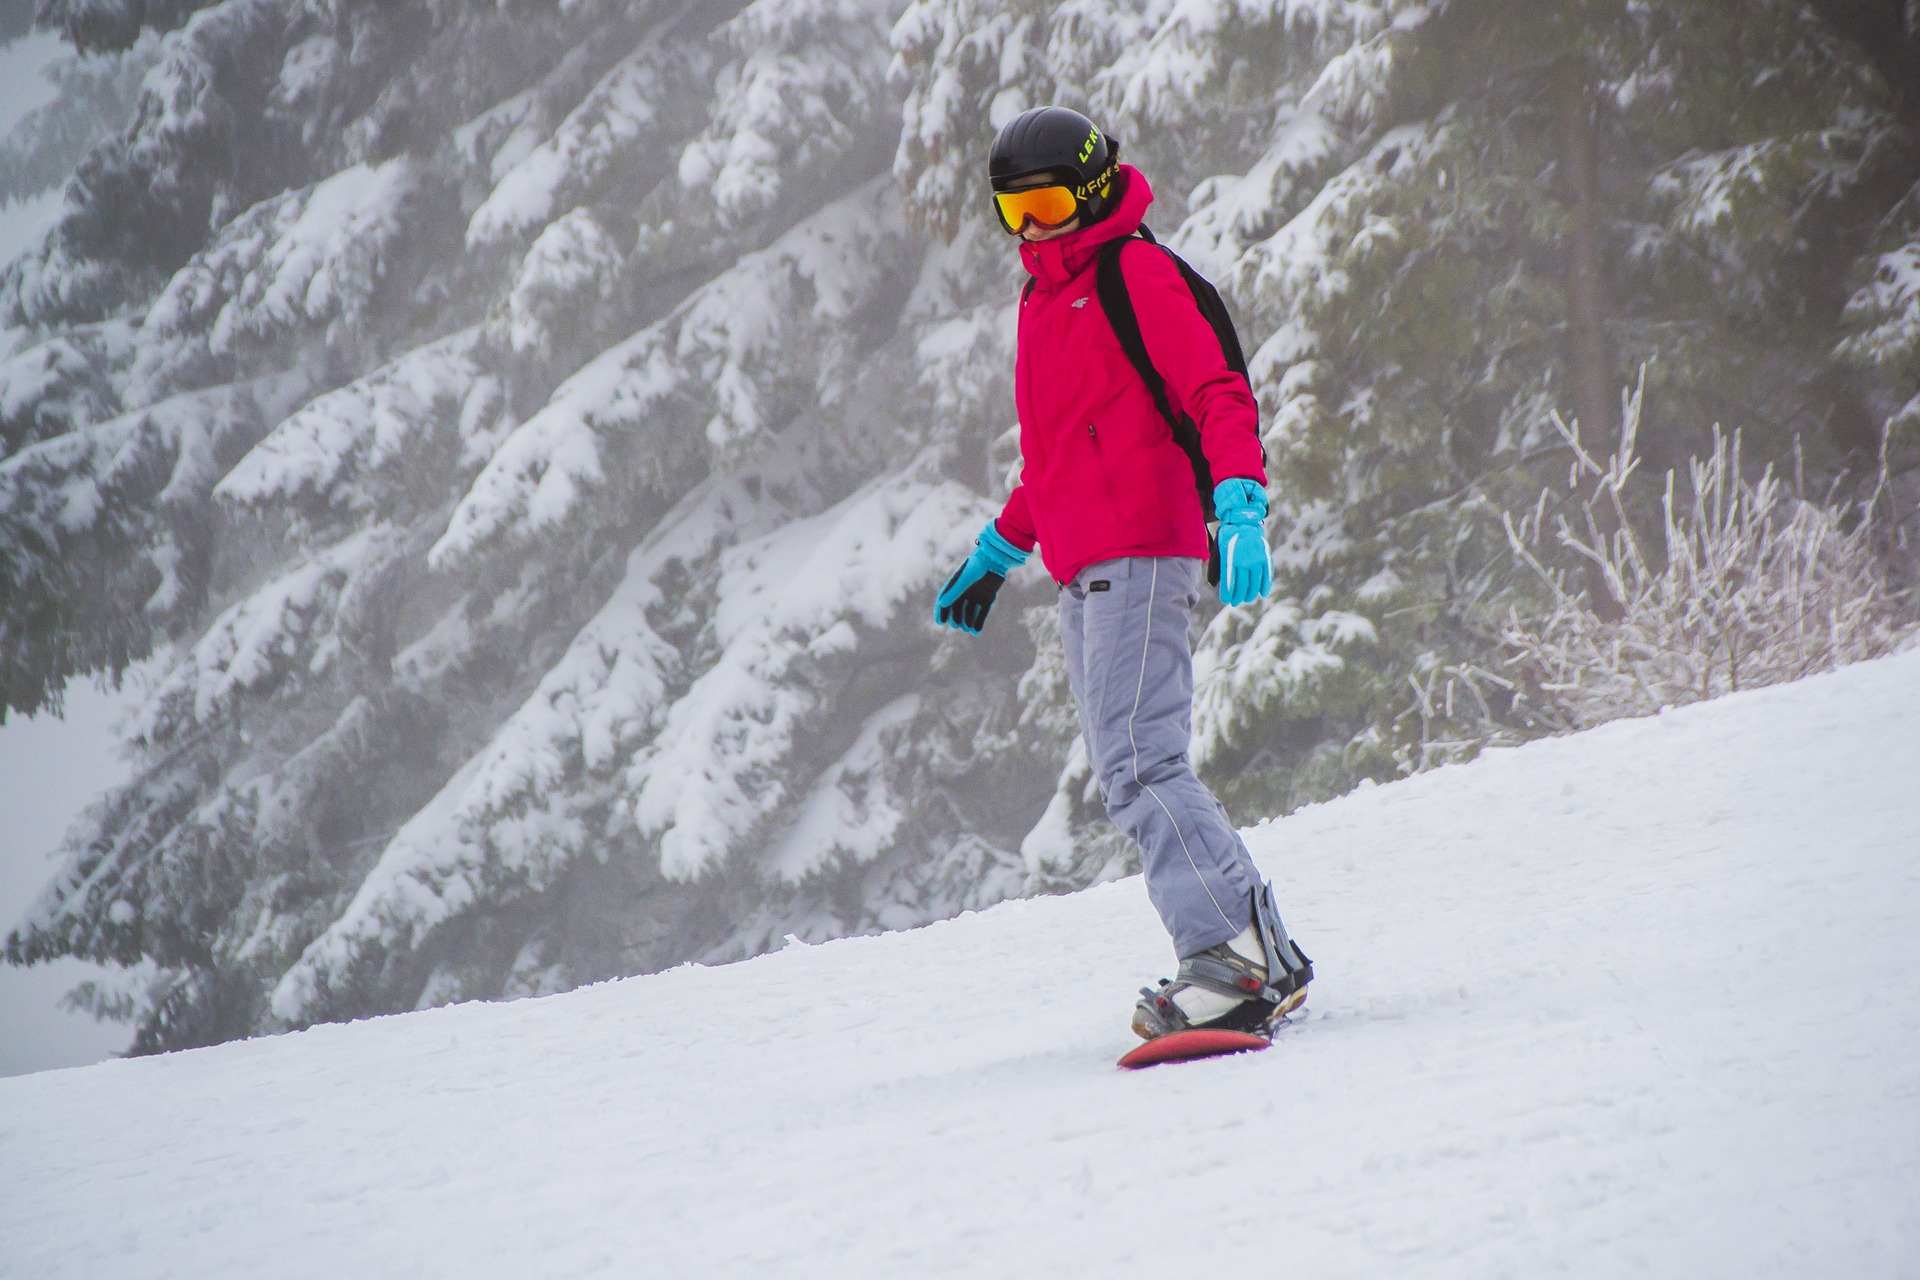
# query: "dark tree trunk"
{"type": "Point", "coordinates": [1595, 397]}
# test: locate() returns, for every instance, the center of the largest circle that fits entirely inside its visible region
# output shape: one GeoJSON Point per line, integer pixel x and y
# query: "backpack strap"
{"type": "Point", "coordinates": [1111, 285]}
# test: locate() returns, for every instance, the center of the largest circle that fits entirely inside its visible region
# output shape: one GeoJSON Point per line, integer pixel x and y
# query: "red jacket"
{"type": "Point", "coordinates": [1101, 476]}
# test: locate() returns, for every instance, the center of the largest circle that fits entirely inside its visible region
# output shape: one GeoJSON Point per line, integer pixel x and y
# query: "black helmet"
{"type": "Point", "coordinates": [1058, 139]}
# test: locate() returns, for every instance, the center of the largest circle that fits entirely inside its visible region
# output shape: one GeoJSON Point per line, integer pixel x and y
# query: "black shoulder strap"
{"type": "Point", "coordinates": [1111, 285]}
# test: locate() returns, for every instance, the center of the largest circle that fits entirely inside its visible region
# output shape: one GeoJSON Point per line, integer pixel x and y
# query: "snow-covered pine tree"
{"type": "Point", "coordinates": [1524, 206]}
{"type": "Point", "coordinates": [530, 439]}
{"type": "Point", "coordinates": [94, 95]}
{"type": "Point", "coordinates": [95, 26]}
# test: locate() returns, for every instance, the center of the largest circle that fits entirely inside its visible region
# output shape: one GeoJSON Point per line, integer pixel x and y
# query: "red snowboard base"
{"type": "Point", "coordinates": [1182, 1045]}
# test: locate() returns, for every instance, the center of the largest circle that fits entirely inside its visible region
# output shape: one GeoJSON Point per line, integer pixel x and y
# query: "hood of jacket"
{"type": "Point", "coordinates": [1055, 262]}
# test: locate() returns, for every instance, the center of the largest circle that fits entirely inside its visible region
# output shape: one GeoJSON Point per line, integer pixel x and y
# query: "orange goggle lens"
{"type": "Point", "coordinates": [1049, 207]}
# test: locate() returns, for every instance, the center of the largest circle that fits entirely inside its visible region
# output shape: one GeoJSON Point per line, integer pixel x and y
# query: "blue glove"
{"type": "Point", "coordinates": [963, 603]}
{"type": "Point", "coordinates": [1246, 569]}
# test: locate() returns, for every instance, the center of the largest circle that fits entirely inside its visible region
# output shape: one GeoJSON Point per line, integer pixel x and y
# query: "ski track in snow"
{"type": "Point", "coordinates": [1642, 1000]}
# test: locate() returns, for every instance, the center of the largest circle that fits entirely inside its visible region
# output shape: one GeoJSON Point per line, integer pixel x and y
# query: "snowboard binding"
{"type": "Point", "coordinates": [1264, 994]}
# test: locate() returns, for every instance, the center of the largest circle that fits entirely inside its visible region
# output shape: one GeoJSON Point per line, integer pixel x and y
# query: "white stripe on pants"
{"type": "Point", "coordinates": [1132, 678]}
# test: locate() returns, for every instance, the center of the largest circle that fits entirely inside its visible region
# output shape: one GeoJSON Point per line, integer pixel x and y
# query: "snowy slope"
{"type": "Point", "coordinates": [1642, 1000]}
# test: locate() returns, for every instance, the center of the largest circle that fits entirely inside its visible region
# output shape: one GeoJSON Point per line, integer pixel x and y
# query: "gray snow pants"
{"type": "Point", "coordinates": [1123, 624]}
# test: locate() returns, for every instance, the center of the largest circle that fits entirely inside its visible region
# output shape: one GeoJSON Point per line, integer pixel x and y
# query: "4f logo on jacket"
{"type": "Point", "coordinates": [1079, 302]}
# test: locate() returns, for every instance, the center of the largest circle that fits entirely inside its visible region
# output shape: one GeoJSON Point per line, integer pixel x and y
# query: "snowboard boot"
{"type": "Point", "coordinates": [1247, 983]}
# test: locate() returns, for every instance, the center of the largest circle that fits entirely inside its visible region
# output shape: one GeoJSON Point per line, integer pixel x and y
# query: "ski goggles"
{"type": "Point", "coordinates": [1049, 207]}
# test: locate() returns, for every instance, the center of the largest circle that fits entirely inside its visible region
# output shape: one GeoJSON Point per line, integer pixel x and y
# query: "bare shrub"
{"type": "Point", "coordinates": [1750, 585]}
{"type": "Point", "coordinates": [1454, 714]}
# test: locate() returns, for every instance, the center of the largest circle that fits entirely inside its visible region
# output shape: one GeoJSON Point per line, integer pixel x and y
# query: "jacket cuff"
{"type": "Point", "coordinates": [997, 553]}
{"type": "Point", "coordinates": [1014, 537]}
{"type": "Point", "coordinates": [1240, 500]}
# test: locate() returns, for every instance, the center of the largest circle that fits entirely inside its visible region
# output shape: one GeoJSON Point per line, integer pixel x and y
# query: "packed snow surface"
{"type": "Point", "coordinates": [1642, 1000]}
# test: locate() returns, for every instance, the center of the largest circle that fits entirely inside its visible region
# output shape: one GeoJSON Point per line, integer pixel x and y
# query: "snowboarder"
{"type": "Point", "coordinates": [1110, 496]}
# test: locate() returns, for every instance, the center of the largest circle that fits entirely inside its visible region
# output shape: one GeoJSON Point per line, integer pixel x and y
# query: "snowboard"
{"type": "Point", "coordinates": [1184, 1046]}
